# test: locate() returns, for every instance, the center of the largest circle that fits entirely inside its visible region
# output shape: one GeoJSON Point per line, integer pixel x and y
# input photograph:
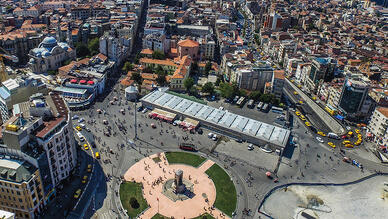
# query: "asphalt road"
{"type": "Point", "coordinates": [307, 111]}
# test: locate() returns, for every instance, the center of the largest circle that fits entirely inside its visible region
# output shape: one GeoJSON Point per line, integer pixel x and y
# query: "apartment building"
{"type": "Point", "coordinates": [21, 188]}
{"type": "Point", "coordinates": [41, 132]}
{"type": "Point", "coordinates": [18, 90]}
{"type": "Point", "coordinates": [379, 123]}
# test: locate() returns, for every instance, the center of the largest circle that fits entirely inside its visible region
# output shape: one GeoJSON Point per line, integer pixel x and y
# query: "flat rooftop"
{"type": "Point", "coordinates": [227, 120]}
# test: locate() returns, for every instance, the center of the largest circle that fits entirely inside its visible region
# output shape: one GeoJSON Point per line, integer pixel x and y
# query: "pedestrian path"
{"type": "Point", "coordinates": [206, 165]}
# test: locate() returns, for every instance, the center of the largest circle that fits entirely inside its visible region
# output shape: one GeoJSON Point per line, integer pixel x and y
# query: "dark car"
{"type": "Point", "coordinates": [200, 131]}
{"type": "Point", "coordinates": [140, 109]}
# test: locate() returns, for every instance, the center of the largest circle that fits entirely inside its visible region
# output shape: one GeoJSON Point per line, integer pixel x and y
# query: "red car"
{"type": "Point", "coordinates": [344, 136]}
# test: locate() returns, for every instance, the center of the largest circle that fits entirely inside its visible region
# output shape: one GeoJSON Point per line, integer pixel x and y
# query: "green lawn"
{"type": "Point", "coordinates": [226, 197]}
{"type": "Point", "coordinates": [207, 216]}
{"type": "Point", "coordinates": [184, 158]}
{"type": "Point", "coordinates": [159, 216]}
{"type": "Point", "coordinates": [129, 190]}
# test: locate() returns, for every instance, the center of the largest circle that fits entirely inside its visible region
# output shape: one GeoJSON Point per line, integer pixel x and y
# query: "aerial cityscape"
{"type": "Point", "coordinates": [186, 109]}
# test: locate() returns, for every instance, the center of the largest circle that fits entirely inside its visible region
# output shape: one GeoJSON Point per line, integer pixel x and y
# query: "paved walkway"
{"type": "Point", "coordinates": [147, 172]}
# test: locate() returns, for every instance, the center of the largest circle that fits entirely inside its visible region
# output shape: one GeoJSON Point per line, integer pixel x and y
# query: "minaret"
{"type": "Point", "coordinates": [69, 38]}
{"type": "Point", "coordinates": [58, 34]}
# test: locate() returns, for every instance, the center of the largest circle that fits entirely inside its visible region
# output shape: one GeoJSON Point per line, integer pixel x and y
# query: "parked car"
{"type": "Point", "coordinates": [319, 139]}
{"type": "Point", "coordinates": [81, 120]}
{"type": "Point", "coordinates": [250, 147]}
{"type": "Point", "coordinates": [75, 117]}
{"type": "Point", "coordinates": [77, 193]}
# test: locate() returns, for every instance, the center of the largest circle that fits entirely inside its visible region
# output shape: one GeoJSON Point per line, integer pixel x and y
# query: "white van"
{"type": "Point", "coordinates": [333, 135]}
{"type": "Point", "coordinates": [80, 136]}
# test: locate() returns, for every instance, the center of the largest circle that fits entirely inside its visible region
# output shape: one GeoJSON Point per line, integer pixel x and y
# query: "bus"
{"type": "Point", "coordinates": [259, 105]}
{"type": "Point", "coordinates": [251, 103]}
{"type": "Point", "coordinates": [277, 109]}
{"type": "Point", "coordinates": [187, 147]}
{"type": "Point", "coordinates": [240, 101]}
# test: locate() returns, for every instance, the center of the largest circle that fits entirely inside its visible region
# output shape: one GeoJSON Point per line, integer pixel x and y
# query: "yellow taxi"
{"type": "Point", "coordinates": [314, 98]}
{"type": "Point", "coordinates": [297, 113]}
{"type": "Point", "coordinates": [292, 81]}
{"type": "Point", "coordinates": [307, 124]}
{"type": "Point", "coordinates": [302, 118]}
{"type": "Point", "coordinates": [77, 193]}
{"type": "Point", "coordinates": [301, 102]}
{"type": "Point", "coordinates": [89, 168]}
{"type": "Point", "coordinates": [346, 142]}
{"type": "Point", "coordinates": [84, 179]}
{"type": "Point", "coordinates": [359, 136]}
{"type": "Point", "coordinates": [78, 128]}
{"type": "Point", "coordinates": [299, 86]}
{"type": "Point", "coordinates": [97, 155]}
{"type": "Point", "coordinates": [296, 93]}
{"type": "Point", "coordinates": [349, 146]}
{"type": "Point", "coordinates": [350, 133]}
{"type": "Point", "coordinates": [321, 133]}
{"type": "Point", "coordinates": [86, 147]}
{"type": "Point", "coordinates": [357, 143]}
{"type": "Point", "coordinates": [357, 131]}
{"type": "Point", "coordinates": [331, 144]}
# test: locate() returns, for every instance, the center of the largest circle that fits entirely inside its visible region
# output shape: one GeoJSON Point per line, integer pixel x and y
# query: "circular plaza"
{"type": "Point", "coordinates": [177, 185]}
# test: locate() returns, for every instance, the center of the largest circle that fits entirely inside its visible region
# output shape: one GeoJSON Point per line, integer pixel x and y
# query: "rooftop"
{"type": "Point", "coordinates": [15, 170]}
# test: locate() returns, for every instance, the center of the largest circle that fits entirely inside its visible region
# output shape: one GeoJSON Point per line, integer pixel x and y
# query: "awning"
{"type": "Point", "coordinates": [82, 81]}
{"type": "Point", "coordinates": [383, 147]}
{"type": "Point", "coordinates": [73, 81]}
{"type": "Point", "coordinates": [91, 82]}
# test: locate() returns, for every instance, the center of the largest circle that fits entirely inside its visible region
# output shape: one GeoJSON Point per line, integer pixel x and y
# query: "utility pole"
{"type": "Point", "coordinates": [135, 122]}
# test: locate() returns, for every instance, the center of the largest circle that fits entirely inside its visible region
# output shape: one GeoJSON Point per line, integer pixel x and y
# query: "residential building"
{"type": "Point", "coordinates": [207, 47]}
{"type": "Point", "coordinates": [19, 43]}
{"type": "Point", "coordinates": [50, 55]}
{"type": "Point", "coordinates": [41, 132]}
{"type": "Point", "coordinates": [18, 90]}
{"type": "Point", "coordinates": [322, 70]}
{"type": "Point", "coordinates": [378, 125]}
{"type": "Point", "coordinates": [26, 12]}
{"type": "Point", "coordinates": [254, 78]}
{"type": "Point", "coordinates": [114, 47]}
{"type": "Point", "coordinates": [181, 74]}
{"type": "Point", "coordinates": [353, 97]}
{"type": "Point", "coordinates": [167, 65]}
{"type": "Point", "coordinates": [21, 187]}
{"type": "Point", "coordinates": [155, 42]}
{"type": "Point", "coordinates": [277, 83]}
{"type": "Point", "coordinates": [84, 80]}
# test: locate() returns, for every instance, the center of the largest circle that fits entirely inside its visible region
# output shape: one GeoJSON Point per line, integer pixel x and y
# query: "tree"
{"type": "Point", "coordinates": [161, 79]}
{"type": "Point", "coordinates": [242, 93]}
{"type": "Point", "coordinates": [255, 95]}
{"type": "Point", "coordinates": [127, 67]}
{"type": "Point", "coordinates": [137, 77]}
{"type": "Point", "coordinates": [67, 62]}
{"type": "Point", "coordinates": [82, 50]}
{"type": "Point", "coordinates": [208, 67]}
{"type": "Point", "coordinates": [94, 46]}
{"type": "Point", "coordinates": [227, 90]}
{"type": "Point", "coordinates": [51, 72]}
{"type": "Point", "coordinates": [188, 83]}
{"type": "Point", "coordinates": [208, 88]}
{"type": "Point", "coordinates": [158, 55]}
{"type": "Point", "coordinates": [137, 58]}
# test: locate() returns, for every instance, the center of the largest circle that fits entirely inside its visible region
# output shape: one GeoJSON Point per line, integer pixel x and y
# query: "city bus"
{"type": "Point", "coordinates": [259, 105]}
{"type": "Point", "coordinates": [251, 104]}
{"type": "Point", "coordinates": [187, 147]}
{"type": "Point", "coordinates": [240, 101]}
{"type": "Point", "coordinates": [265, 107]}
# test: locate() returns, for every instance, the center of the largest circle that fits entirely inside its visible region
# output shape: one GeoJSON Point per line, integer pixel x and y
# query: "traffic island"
{"type": "Point", "coordinates": [178, 190]}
